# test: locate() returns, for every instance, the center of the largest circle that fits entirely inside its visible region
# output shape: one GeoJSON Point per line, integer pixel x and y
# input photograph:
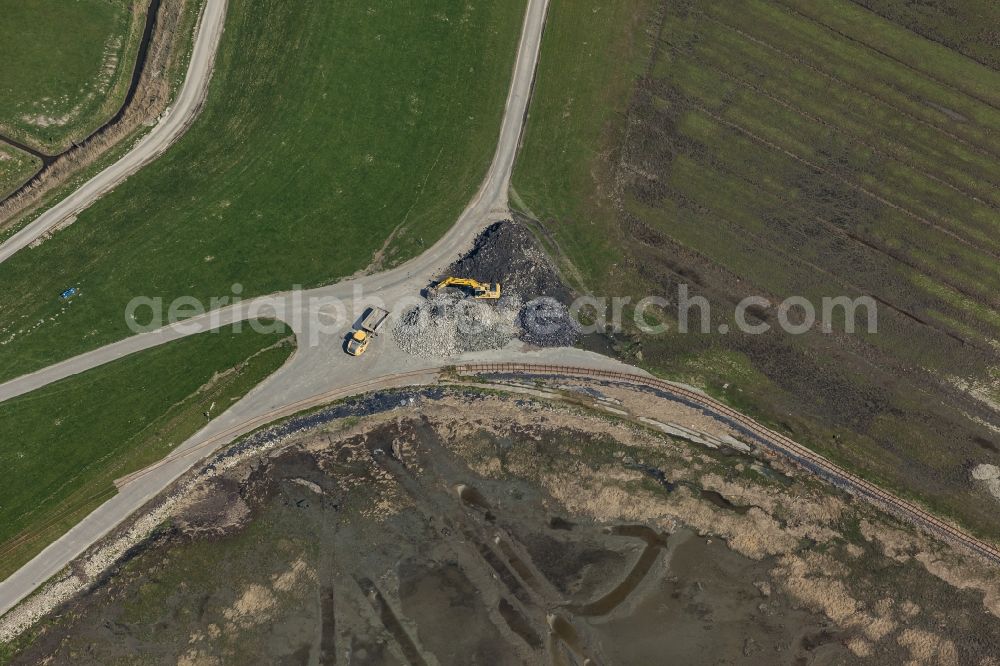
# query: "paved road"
{"type": "Point", "coordinates": [319, 370]}
{"type": "Point", "coordinates": [168, 130]}
{"type": "Point", "coordinates": [305, 312]}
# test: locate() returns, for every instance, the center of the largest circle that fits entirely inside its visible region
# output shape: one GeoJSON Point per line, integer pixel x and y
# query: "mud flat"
{"type": "Point", "coordinates": [457, 526]}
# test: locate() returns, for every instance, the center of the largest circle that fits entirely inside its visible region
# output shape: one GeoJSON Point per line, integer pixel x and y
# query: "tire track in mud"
{"type": "Point", "coordinates": [328, 625]}
{"type": "Point", "coordinates": [918, 33]}
{"type": "Point", "coordinates": [603, 605]}
{"type": "Point", "coordinates": [391, 621]}
{"type": "Point", "coordinates": [860, 188]}
{"type": "Point", "coordinates": [529, 593]}
{"type": "Point", "coordinates": [137, 71]}
{"type": "Point", "coordinates": [975, 296]}
{"type": "Point", "coordinates": [844, 233]}
{"type": "Point", "coordinates": [836, 278]}
{"type": "Point", "coordinates": [894, 151]}
{"type": "Point", "coordinates": [909, 263]}
{"type": "Point", "coordinates": [792, 11]}
{"type": "Point", "coordinates": [474, 538]}
{"type": "Point", "coordinates": [741, 231]}
{"type": "Point", "coordinates": [788, 203]}
{"type": "Point", "coordinates": [815, 268]}
{"type": "Point", "coordinates": [982, 150]}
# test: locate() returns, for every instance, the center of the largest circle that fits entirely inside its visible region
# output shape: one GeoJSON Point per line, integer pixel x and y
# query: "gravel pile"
{"type": "Point", "coordinates": [545, 322]}
{"type": "Point", "coordinates": [448, 325]}
{"type": "Point", "coordinates": [532, 308]}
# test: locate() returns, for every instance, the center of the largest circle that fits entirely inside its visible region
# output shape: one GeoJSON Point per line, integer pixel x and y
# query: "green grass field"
{"type": "Point", "coordinates": [170, 61]}
{"type": "Point", "coordinates": [591, 56]}
{"type": "Point", "coordinates": [16, 166]}
{"type": "Point", "coordinates": [968, 26]}
{"type": "Point", "coordinates": [62, 446]}
{"type": "Point", "coordinates": [67, 66]}
{"type": "Point", "coordinates": [787, 147]}
{"type": "Point", "coordinates": [330, 129]}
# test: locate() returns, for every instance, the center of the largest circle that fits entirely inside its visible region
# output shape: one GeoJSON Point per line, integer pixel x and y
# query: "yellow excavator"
{"type": "Point", "coordinates": [474, 287]}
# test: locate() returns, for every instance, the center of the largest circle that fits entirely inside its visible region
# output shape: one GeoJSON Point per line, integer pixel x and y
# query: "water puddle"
{"type": "Point", "coordinates": [712, 496]}
{"type": "Point", "coordinates": [655, 542]}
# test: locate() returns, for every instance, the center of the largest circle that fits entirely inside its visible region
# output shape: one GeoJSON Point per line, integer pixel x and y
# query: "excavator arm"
{"type": "Point", "coordinates": [478, 289]}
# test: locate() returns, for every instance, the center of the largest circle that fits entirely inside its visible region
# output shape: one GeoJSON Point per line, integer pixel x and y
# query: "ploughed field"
{"type": "Point", "coordinates": [785, 148]}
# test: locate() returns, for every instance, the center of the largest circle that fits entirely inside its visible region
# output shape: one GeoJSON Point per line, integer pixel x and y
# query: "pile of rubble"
{"type": "Point", "coordinates": [533, 306]}
{"type": "Point", "coordinates": [449, 325]}
{"type": "Point", "coordinates": [506, 252]}
{"type": "Point", "coordinates": [545, 322]}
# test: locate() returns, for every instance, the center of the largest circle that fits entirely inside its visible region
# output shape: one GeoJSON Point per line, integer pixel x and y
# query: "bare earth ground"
{"type": "Point", "coordinates": [463, 526]}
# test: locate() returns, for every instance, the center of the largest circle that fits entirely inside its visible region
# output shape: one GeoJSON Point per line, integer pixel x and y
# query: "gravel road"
{"type": "Point", "coordinates": [170, 128]}
{"type": "Point", "coordinates": [319, 368]}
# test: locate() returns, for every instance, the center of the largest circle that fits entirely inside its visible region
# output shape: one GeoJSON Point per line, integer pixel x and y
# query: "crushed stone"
{"type": "Point", "coordinates": [532, 308]}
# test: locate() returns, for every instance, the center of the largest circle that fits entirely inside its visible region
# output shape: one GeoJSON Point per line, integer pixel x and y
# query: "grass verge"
{"type": "Point", "coordinates": [16, 166]}
{"type": "Point", "coordinates": [67, 73]}
{"type": "Point", "coordinates": [163, 72]}
{"type": "Point", "coordinates": [63, 445]}
{"type": "Point", "coordinates": [330, 129]}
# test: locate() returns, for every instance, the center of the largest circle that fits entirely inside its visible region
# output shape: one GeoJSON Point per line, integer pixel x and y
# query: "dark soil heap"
{"type": "Point", "coordinates": [507, 253]}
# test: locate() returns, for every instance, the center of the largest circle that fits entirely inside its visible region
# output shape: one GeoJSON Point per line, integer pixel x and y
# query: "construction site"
{"type": "Point", "coordinates": [514, 294]}
{"type": "Point", "coordinates": [475, 471]}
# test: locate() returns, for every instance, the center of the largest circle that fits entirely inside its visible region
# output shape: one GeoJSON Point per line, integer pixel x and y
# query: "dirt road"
{"type": "Point", "coordinates": [320, 371]}
{"type": "Point", "coordinates": [167, 131]}
{"type": "Point", "coordinates": [319, 367]}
